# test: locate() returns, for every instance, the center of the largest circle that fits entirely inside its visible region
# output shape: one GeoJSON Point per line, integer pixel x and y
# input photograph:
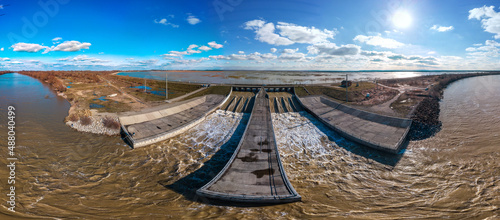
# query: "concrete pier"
{"type": "Point", "coordinates": [254, 174]}
{"type": "Point", "coordinates": [159, 123]}
{"type": "Point", "coordinates": [369, 129]}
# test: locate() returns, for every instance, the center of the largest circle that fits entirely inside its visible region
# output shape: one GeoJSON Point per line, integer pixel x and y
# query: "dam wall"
{"type": "Point", "coordinates": [162, 122]}
{"type": "Point", "coordinates": [373, 130]}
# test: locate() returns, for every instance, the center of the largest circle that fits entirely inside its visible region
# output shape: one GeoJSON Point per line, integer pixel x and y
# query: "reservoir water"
{"type": "Point", "coordinates": [62, 173]}
{"type": "Point", "coordinates": [275, 77]}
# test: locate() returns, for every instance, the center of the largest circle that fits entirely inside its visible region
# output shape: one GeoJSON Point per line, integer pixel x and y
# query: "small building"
{"type": "Point", "coordinates": [343, 83]}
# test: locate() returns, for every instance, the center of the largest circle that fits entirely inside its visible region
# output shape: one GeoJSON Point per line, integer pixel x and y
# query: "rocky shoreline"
{"type": "Point", "coordinates": [425, 117]}
{"type": "Point", "coordinates": [96, 126]}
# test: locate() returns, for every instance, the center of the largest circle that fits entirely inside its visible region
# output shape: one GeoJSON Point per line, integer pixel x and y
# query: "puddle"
{"type": "Point", "coordinates": [93, 105]}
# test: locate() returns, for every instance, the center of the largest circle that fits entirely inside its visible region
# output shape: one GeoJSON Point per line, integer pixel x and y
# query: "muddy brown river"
{"type": "Point", "coordinates": [61, 173]}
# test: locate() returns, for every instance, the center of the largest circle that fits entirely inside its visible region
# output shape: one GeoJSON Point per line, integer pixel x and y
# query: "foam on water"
{"type": "Point", "coordinates": [298, 137]}
{"type": "Point", "coordinates": [204, 139]}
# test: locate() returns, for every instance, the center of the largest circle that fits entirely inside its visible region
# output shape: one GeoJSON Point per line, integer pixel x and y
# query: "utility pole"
{"type": "Point", "coordinates": [346, 87]}
{"type": "Point", "coordinates": [166, 84]}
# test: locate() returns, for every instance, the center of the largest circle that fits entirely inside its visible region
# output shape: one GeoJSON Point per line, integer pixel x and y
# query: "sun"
{"type": "Point", "coordinates": [401, 19]}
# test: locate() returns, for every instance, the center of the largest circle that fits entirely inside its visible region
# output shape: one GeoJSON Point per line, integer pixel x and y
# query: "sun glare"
{"type": "Point", "coordinates": [401, 19]}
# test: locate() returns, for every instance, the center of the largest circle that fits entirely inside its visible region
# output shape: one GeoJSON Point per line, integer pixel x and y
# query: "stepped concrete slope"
{"type": "Point", "coordinates": [254, 174]}
{"type": "Point", "coordinates": [373, 130]}
{"type": "Point", "coordinates": [239, 101]}
{"type": "Point", "coordinates": [162, 122]}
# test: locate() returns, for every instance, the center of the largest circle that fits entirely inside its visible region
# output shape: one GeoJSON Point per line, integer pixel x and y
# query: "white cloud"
{"type": "Point", "coordinates": [490, 19]}
{"type": "Point", "coordinates": [491, 48]}
{"type": "Point", "coordinates": [67, 46]}
{"type": "Point", "coordinates": [82, 59]}
{"type": "Point", "coordinates": [215, 45]}
{"type": "Point", "coordinates": [373, 53]}
{"type": "Point", "coordinates": [165, 22]}
{"type": "Point", "coordinates": [192, 46]}
{"type": "Point", "coordinates": [293, 56]}
{"type": "Point", "coordinates": [191, 50]}
{"type": "Point", "coordinates": [290, 50]}
{"type": "Point", "coordinates": [217, 57]}
{"type": "Point", "coordinates": [305, 35]}
{"type": "Point", "coordinates": [204, 48]}
{"type": "Point", "coordinates": [192, 20]}
{"type": "Point", "coordinates": [149, 62]}
{"type": "Point", "coordinates": [256, 56]}
{"type": "Point", "coordinates": [265, 33]}
{"type": "Point", "coordinates": [273, 50]}
{"type": "Point", "coordinates": [71, 46]}
{"type": "Point", "coordinates": [333, 49]}
{"type": "Point", "coordinates": [288, 33]}
{"type": "Point", "coordinates": [241, 52]}
{"type": "Point", "coordinates": [190, 61]}
{"type": "Point", "coordinates": [441, 28]}
{"type": "Point", "coordinates": [28, 47]}
{"type": "Point", "coordinates": [57, 39]}
{"type": "Point", "coordinates": [1, 49]}
{"type": "Point", "coordinates": [492, 43]}
{"type": "Point", "coordinates": [379, 41]}
{"type": "Point", "coordinates": [4, 59]}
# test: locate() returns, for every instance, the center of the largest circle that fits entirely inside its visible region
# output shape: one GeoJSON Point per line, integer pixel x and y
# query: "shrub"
{"type": "Point", "coordinates": [85, 120]}
{"type": "Point", "coordinates": [109, 122]}
{"type": "Point", "coordinates": [73, 117]}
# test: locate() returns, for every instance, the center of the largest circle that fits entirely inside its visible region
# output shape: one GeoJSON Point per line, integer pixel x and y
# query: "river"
{"type": "Point", "coordinates": [62, 173]}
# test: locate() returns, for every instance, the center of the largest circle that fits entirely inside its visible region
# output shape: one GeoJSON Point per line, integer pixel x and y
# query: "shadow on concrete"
{"type": "Point", "coordinates": [188, 185]}
{"type": "Point", "coordinates": [358, 149]}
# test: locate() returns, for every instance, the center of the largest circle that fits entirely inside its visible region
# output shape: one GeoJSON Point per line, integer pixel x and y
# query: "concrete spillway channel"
{"type": "Point", "coordinates": [162, 122]}
{"type": "Point", "coordinates": [254, 174]}
{"type": "Point", "coordinates": [369, 129]}
{"type": "Point", "coordinates": [239, 102]}
{"type": "Point", "coordinates": [282, 102]}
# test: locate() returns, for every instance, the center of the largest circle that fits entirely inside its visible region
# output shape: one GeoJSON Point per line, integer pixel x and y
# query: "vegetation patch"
{"type": "Point", "coordinates": [109, 122]}
{"type": "Point", "coordinates": [85, 120]}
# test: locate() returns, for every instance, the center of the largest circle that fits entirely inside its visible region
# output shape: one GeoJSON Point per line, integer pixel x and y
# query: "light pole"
{"type": "Point", "coordinates": [346, 86]}
{"type": "Point", "coordinates": [166, 84]}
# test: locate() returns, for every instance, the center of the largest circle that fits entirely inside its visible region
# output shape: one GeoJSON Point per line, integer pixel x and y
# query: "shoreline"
{"type": "Point", "coordinates": [96, 125]}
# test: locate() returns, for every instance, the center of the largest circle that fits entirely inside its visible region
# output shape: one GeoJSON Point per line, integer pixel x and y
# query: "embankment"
{"type": "Point", "coordinates": [426, 115]}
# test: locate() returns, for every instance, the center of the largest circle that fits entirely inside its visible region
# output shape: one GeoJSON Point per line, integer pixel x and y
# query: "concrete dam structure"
{"type": "Point", "coordinates": [162, 122]}
{"type": "Point", "coordinates": [369, 129]}
{"type": "Point", "coordinates": [254, 174]}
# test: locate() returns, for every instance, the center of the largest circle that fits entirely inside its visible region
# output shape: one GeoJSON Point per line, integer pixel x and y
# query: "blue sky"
{"type": "Point", "coordinates": [244, 34]}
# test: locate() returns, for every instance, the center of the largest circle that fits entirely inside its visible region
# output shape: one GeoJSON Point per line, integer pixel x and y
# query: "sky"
{"type": "Point", "coordinates": [249, 35]}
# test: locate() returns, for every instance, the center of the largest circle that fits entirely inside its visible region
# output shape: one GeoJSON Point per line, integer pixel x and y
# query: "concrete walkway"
{"type": "Point", "coordinates": [369, 129]}
{"type": "Point", "coordinates": [254, 174]}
